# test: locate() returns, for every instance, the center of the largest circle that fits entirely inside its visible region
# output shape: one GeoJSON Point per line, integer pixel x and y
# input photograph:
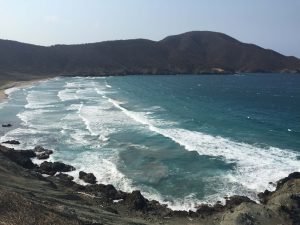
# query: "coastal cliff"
{"type": "Point", "coordinates": [45, 194]}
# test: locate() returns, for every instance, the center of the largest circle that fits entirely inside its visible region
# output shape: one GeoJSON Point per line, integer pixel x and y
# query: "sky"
{"type": "Point", "coordinates": [273, 24]}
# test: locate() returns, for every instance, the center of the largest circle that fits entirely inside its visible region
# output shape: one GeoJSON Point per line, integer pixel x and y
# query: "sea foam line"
{"type": "Point", "coordinates": [256, 166]}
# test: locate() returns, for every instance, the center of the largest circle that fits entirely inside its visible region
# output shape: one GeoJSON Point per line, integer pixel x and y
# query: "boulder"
{"type": "Point", "coordinates": [65, 179]}
{"type": "Point", "coordinates": [64, 176]}
{"type": "Point", "coordinates": [87, 177]}
{"type": "Point", "coordinates": [21, 157]}
{"type": "Point", "coordinates": [236, 200]}
{"type": "Point", "coordinates": [107, 191]}
{"type": "Point", "coordinates": [42, 153]}
{"type": "Point", "coordinates": [11, 142]}
{"type": "Point", "coordinates": [51, 168]}
{"type": "Point", "coordinates": [136, 201]}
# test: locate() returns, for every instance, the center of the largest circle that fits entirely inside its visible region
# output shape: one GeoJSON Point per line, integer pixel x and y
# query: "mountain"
{"type": "Point", "coordinates": [195, 52]}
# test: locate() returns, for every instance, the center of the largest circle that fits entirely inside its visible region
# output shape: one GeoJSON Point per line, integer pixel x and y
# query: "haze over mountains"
{"type": "Point", "coordinates": [195, 52]}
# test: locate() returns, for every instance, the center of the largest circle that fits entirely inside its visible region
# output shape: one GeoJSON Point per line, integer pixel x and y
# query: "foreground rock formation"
{"type": "Point", "coordinates": [28, 197]}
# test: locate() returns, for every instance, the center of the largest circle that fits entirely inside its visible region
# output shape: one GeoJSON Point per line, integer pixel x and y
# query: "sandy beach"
{"type": "Point", "coordinates": [17, 84]}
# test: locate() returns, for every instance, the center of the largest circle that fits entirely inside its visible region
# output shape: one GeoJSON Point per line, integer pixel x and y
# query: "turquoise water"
{"type": "Point", "coordinates": [182, 140]}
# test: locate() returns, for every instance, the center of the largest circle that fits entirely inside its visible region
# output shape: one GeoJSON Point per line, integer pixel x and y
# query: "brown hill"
{"type": "Point", "coordinates": [189, 53]}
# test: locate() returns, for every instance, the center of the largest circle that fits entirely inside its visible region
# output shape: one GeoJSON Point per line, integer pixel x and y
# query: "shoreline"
{"type": "Point", "coordinates": [18, 84]}
{"type": "Point", "coordinates": [95, 201]}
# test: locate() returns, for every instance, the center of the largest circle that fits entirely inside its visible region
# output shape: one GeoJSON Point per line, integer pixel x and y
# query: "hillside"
{"type": "Point", "coordinates": [189, 53]}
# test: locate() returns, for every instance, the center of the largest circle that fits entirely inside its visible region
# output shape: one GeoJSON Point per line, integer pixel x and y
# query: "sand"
{"type": "Point", "coordinates": [10, 84]}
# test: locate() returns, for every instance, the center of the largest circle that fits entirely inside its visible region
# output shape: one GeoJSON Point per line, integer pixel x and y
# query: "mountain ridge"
{"type": "Point", "coordinates": [195, 52]}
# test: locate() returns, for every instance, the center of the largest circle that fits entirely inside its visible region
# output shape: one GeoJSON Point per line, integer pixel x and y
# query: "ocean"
{"type": "Point", "coordinates": [182, 140]}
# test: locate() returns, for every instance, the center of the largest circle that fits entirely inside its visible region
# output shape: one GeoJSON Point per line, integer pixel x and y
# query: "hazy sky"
{"type": "Point", "coordinates": [271, 24]}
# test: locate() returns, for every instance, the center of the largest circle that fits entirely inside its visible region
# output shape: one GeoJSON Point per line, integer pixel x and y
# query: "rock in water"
{"type": "Point", "coordinates": [42, 153]}
{"type": "Point", "coordinates": [87, 177]}
{"type": "Point", "coordinates": [51, 168]}
{"type": "Point", "coordinates": [6, 125]}
{"type": "Point", "coordinates": [11, 142]}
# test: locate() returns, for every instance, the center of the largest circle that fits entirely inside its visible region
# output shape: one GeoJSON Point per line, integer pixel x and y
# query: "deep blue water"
{"type": "Point", "coordinates": [181, 140]}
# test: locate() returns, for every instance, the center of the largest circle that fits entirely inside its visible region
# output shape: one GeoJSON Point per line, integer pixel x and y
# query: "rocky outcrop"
{"type": "Point", "coordinates": [42, 153]}
{"type": "Point", "coordinates": [6, 125]}
{"type": "Point", "coordinates": [70, 202]}
{"type": "Point", "coordinates": [105, 191]}
{"type": "Point", "coordinates": [87, 177]}
{"type": "Point", "coordinates": [52, 168]}
{"type": "Point", "coordinates": [65, 179]}
{"type": "Point", "coordinates": [21, 157]}
{"type": "Point", "coordinates": [11, 142]}
{"type": "Point", "coordinates": [136, 201]}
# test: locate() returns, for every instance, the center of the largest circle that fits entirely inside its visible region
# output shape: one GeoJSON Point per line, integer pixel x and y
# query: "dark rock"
{"type": "Point", "coordinates": [66, 179]}
{"type": "Point", "coordinates": [292, 209]}
{"type": "Point", "coordinates": [136, 201]}
{"type": "Point", "coordinates": [179, 213]}
{"type": "Point", "coordinates": [111, 210]}
{"type": "Point", "coordinates": [158, 209]}
{"type": "Point", "coordinates": [107, 191]}
{"type": "Point", "coordinates": [11, 142]}
{"type": "Point", "coordinates": [38, 148]}
{"type": "Point", "coordinates": [230, 203]}
{"type": "Point", "coordinates": [51, 168]}
{"type": "Point", "coordinates": [42, 149]}
{"type": "Point", "coordinates": [42, 156]}
{"type": "Point", "coordinates": [236, 200]}
{"type": "Point", "coordinates": [71, 196]}
{"type": "Point", "coordinates": [87, 177]}
{"type": "Point", "coordinates": [21, 157]}
{"type": "Point", "coordinates": [205, 209]}
{"type": "Point", "coordinates": [64, 176]}
{"type": "Point", "coordinates": [6, 125]}
{"type": "Point", "coordinates": [42, 153]}
{"type": "Point", "coordinates": [263, 196]}
{"type": "Point", "coordinates": [245, 219]}
{"type": "Point", "coordinates": [295, 175]}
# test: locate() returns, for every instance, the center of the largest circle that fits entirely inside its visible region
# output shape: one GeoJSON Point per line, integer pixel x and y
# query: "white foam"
{"type": "Point", "coordinates": [104, 168]}
{"type": "Point", "coordinates": [40, 99]}
{"type": "Point", "coordinates": [255, 166]}
{"type": "Point", "coordinates": [28, 116]}
{"type": "Point", "coordinates": [9, 91]}
{"type": "Point", "coordinates": [67, 94]}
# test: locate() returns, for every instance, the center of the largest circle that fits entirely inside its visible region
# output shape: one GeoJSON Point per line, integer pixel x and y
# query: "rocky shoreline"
{"type": "Point", "coordinates": [32, 194]}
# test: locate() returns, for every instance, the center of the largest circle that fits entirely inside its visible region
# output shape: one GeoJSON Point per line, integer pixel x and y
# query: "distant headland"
{"type": "Point", "coordinates": [197, 52]}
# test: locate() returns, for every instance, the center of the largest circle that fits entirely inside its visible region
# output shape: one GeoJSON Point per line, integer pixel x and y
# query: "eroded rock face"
{"type": "Point", "coordinates": [87, 177]}
{"type": "Point", "coordinates": [51, 168]}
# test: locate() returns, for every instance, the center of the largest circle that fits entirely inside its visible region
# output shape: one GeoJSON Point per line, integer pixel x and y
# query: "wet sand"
{"type": "Point", "coordinates": [10, 84]}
